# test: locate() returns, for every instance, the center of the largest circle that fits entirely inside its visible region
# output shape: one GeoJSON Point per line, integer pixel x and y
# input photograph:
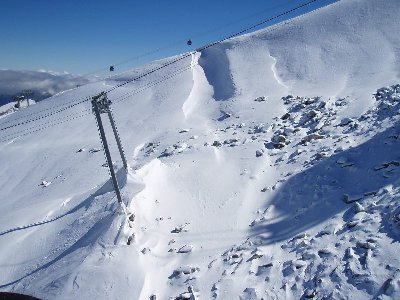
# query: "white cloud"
{"type": "Point", "coordinates": [42, 82]}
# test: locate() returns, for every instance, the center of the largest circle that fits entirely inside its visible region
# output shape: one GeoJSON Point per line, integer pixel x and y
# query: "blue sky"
{"type": "Point", "coordinates": [84, 36]}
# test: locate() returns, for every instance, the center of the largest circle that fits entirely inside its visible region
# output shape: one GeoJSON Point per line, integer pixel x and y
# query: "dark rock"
{"type": "Point", "coordinates": [216, 144]}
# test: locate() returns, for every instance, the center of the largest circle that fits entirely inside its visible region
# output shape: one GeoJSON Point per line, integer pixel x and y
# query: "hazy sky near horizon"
{"type": "Point", "coordinates": [85, 36]}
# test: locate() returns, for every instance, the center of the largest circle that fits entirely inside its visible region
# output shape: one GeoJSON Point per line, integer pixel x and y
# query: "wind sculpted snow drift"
{"type": "Point", "coordinates": [269, 169]}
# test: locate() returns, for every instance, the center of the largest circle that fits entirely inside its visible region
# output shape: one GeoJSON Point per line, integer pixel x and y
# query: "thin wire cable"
{"type": "Point", "coordinates": [243, 19]}
{"type": "Point", "coordinates": [116, 100]}
{"type": "Point", "coordinates": [186, 55]}
{"type": "Point", "coordinates": [255, 26]}
{"type": "Point", "coordinates": [181, 41]}
{"type": "Point", "coordinates": [151, 84]}
{"type": "Point", "coordinates": [46, 126]}
{"type": "Point", "coordinates": [87, 112]}
{"type": "Point", "coordinates": [39, 125]}
{"type": "Point", "coordinates": [173, 61]}
{"type": "Point", "coordinates": [44, 116]}
{"type": "Point", "coordinates": [43, 110]}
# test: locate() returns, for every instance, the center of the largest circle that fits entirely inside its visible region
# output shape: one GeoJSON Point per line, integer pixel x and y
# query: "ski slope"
{"type": "Point", "coordinates": [264, 167]}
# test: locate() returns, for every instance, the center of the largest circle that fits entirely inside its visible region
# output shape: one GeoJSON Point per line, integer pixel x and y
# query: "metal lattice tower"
{"type": "Point", "coordinates": [100, 105]}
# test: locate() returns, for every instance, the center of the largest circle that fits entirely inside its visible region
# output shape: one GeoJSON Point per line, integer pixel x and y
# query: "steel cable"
{"type": "Point", "coordinates": [171, 62]}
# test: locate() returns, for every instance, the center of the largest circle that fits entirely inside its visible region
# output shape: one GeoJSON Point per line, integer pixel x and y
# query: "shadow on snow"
{"type": "Point", "coordinates": [87, 239]}
{"type": "Point", "coordinates": [316, 195]}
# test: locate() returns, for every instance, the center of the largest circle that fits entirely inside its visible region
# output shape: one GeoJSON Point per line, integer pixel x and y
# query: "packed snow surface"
{"type": "Point", "coordinates": [265, 167]}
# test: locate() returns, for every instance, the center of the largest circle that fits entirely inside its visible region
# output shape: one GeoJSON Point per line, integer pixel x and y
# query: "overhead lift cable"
{"type": "Point", "coordinates": [152, 84]}
{"type": "Point", "coordinates": [182, 41]}
{"type": "Point", "coordinates": [43, 110]}
{"type": "Point", "coordinates": [188, 54]}
{"type": "Point", "coordinates": [41, 127]}
{"type": "Point", "coordinates": [45, 115]}
{"type": "Point", "coordinates": [87, 112]}
{"type": "Point", "coordinates": [173, 61]}
{"type": "Point", "coordinates": [255, 26]}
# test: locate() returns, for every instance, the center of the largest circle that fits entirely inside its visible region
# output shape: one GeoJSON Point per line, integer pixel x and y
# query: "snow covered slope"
{"type": "Point", "coordinates": [267, 167]}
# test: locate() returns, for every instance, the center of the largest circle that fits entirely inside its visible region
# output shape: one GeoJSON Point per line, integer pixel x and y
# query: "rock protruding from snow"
{"type": "Point", "coordinates": [185, 249]}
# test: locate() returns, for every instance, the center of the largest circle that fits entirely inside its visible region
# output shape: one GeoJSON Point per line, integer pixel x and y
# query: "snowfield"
{"type": "Point", "coordinates": [265, 167]}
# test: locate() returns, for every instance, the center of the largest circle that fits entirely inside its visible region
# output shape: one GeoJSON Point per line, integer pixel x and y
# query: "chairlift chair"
{"type": "Point", "coordinates": [189, 42]}
{"type": "Point", "coordinates": [111, 68]}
